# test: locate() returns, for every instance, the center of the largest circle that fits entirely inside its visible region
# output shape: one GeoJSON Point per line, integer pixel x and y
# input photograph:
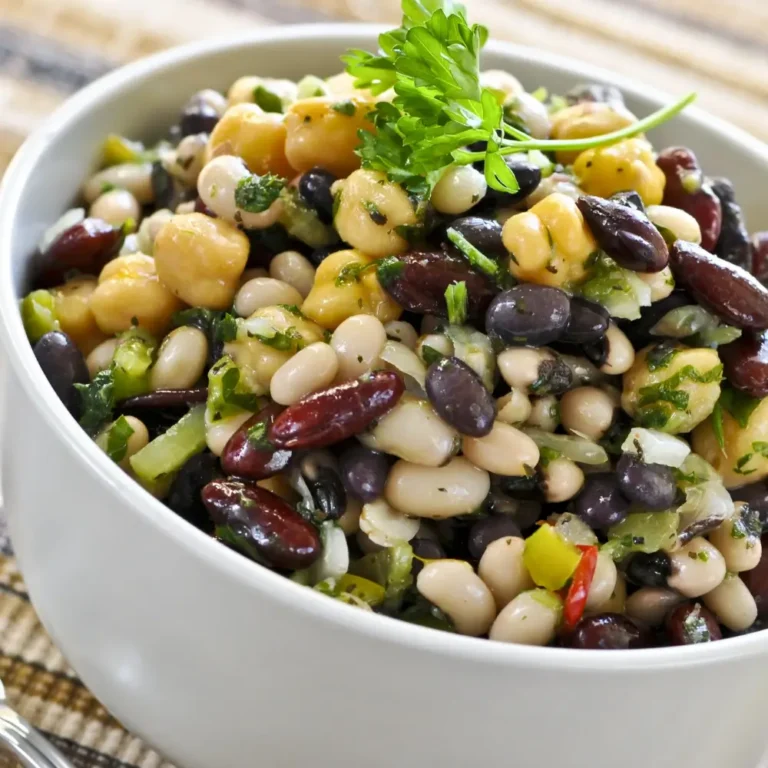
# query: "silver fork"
{"type": "Point", "coordinates": [19, 738]}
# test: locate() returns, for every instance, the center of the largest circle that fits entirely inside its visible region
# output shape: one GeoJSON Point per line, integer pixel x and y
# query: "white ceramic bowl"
{"type": "Point", "coordinates": [223, 664]}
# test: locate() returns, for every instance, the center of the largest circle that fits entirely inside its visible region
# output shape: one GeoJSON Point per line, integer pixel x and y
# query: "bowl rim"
{"type": "Point", "coordinates": [207, 550]}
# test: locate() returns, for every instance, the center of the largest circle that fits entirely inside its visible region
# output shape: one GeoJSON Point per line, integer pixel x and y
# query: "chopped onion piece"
{"type": "Point", "coordinates": [577, 449]}
{"type": "Point", "coordinates": [682, 322]}
{"type": "Point", "coordinates": [405, 360]}
{"type": "Point", "coordinates": [334, 562]}
{"type": "Point", "coordinates": [474, 349]}
{"type": "Point", "coordinates": [572, 528]}
{"type": "Point", "coordinates": [655, 447]}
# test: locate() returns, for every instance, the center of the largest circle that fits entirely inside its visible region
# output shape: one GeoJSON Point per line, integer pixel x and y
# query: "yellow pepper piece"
{"type": "Point", "coordinates": [627, 165]}
{"type": "Point", "coordinates": [344, 287]}
{"type": "Point", "coordinates": [550, 243]}
{"type": "Point", "coordinates": [549, 558]}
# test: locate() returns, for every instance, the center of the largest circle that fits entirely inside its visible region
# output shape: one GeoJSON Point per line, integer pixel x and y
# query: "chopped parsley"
{"type": "Point", "coordinates": [257, 436]}
{"type": "Point", "coordinates": [218, 326]}
{"type": "Point", "coordinates": [352, 273]}
{"type": "Point", "coordinates": [668, 390]}
{"type": "Point", "coordinates": [255, 194]}
{"type": "Point", "coordinates": [475, 257]}
{"type": "Point", "coordinates": [456, 299]}
{"type": "Point", "coordinates": [286, 340]}
{"type": "Point", "coordinates": [347, 108]}
{"type": "Point", "coordinates": [97, 399]}
{"type": "Point", "coordinates": [547, 455]}
{"type": "Point", "coordinates": [117, 439]}
{"type": "Point", "coordinates": [267, 100]}
{"type": "Point", "coordinates": [293, 309]}
{"type": "Point", "coordinates": [759, 448]}
{"type": "Point", "coordinates": [738, 404]}
{"type": "Point", "coordinates": [660, 356]}
{"type": "Point", "coordinates": [377, 217]}
{"type": "Point", "coordinates": [430, 354]}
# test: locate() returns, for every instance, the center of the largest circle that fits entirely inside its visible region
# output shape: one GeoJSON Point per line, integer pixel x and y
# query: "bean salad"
{"type": "Point", "coordinates": [476, 358]}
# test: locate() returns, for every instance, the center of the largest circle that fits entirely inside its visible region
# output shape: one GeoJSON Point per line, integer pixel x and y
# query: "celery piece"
{"type": "Point", "coordinates": [167, 453]}
{"type": "Point", "coordinates": [642, 532]}
{"type": "Point", "coordinates": [390, 568]}
{"type": "Point", "coordinates": [302, 222]}
{"type": "Point", "coordinates": [38, 313]}
{"type": "Point", "coordinates": [549, 558]}
{"type": "Point", "coordinates": [131, 363]}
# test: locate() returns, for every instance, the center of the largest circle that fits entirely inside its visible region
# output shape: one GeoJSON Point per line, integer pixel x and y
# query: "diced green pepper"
{"type": "Point", "coordinates": [38, 313]}
{"type": "Point", "coordinates": [390, 568]}
{"type": "Point", "coordinates": [549, 558]}
{"type": "Point", "coordinates": [131, 363]}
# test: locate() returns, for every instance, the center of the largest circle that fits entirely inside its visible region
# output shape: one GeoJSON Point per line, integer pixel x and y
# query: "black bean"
{"type": "Point", "coordinates": [184, 495]}
{"type": "Point", "coordinates": [364, 472]}
{"type": "Point", "coordinates": [460, 397]}
{"type": "Point", "coordinates": [528, 315]}
{"type": "Point", "coordinates": [756, 495]}
{"type": "Point", "coordinates": [652, 486]}
{"type": "Point", "coordinates": [625, 234]}
{"type": "Point", "coordinates": [428, 549]}
{"type": "Point", "coordinates": [64, 366]}
{"type": "Point", "coordinates": [733, 243]}
{"type": "Point", "coordinates": [588, 322]}
{"type": "Point", "coordinates": [325, 485]}
{"type": "Point", "coordinates": [631, 199]}
{"type": "Point", "coordinates": [319, 255]}
{"type": "Point", "coordinates": [597, 352]}
{"type": "Point", "coordinates": [606, 94]}
{"type": "Point", "coordinates": [649, 570]}
{"type": "Point", "coordinates": [484, 234]}
{"type": "Point", "coordinates": [601, 504]}
{"type": "Point", "coordinates": [528, 177]}
{"type": "Point", "coordinates": [315, 189]}
{"type": "Point", "coordinates": [607, 632]}
{"type": "Point", "coordinates": [523, 512]}
{"type": "Point", "coordinates": [197, 117]}
{"type": "Point", "coordinates": [692, 623]}
{"type": "Point", "coordinates": [488, 530]}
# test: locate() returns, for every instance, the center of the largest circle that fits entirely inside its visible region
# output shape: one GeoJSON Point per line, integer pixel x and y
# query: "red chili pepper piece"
{"type": "Point", "coordinates": [576, 599]}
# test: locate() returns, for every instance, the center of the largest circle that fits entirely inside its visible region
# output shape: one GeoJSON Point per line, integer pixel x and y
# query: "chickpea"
{"type": "Point", "coordinates": [460, 188]}
{"type": "Point", "coordinates": [116, 207]}
{"type": "Point", "coordinates": [145, 237]}
{"type": "Point", "coordinates": [640, 398]}
{"type": "Point", "coordinates": [532, 114]}
{"type": "Point", "coordinates": [460, 593]}
{"type": "Point", "coordinates": [627, 165]}
{"type": "Point", "coordinates": [741, 549]}
{"type": "Point", "coordinates": [201, 259]}
{"type": "Point", "coordinates": [563, 479]}
{"type": "Point", "coordinates": [621, 353]}
{"type": "Point", "coordinates": [414, 432]}
{"type": "Point", "coordinates": [562, 183]}
{"type": "Point", "coordinates": [732, 603]}
{"type": "Point", "coordinates": [738, 462]}
{"type": "Point", "coordinates": [550, 243]}
{"type": "Point", "coordinates": [545, 413]}
{"type": "Point", "coordinates": [457, 488]}
{"type": "Point", "coordinates": [680, 224]}
{"type": "Point", "coordinates": [188, 207]}
{"type": "Point", "coordinates": [295, 270]}
{"type": "Point", "coordinates": [180, 360]}
{"type": "Point", "coordinates": [603, 583]}
{"type": "Point", "coordinates": [101, 356]}
{"type": "Point", "coordinates": [514, 407]}
{"type": "Point", "coordinates": [264, 292]}
{"type": "Point", "coordinates": [588, 119]}
{"type": "Point", "coordinates": [324, 131]}
{"type": "Point", "coordinates": [504, 85]}
{"type": "Point", "coordinates": [257, 137]}
{"type": "Point", "coordinates": [438, 342]}
{"type": "Point", "coordinates": [309, 370]}
{"type": "Point", "coordinates": [588, 412]}
{"type": "Point", "coordinates": [504, 451]}
{"type": "Point", "coordinates": [186, 162]}
{"type": "Point", "coordinates": [73, 309]}
{"type": "Point", "coordinates": [243, 90]}
{"type": "Point", "coordinates": [697, 568]}
{"type": "Point", "coordinates": [386, 526]}
{"type": "Point", "coordinates": [502, 569]}
{"type": "Point", "coordinates": [333, 299]}
{"type": "Point", "coordinates": [661, 283]}
{"type": "Point", "coordinates": [652, 604]}
{"type": "Point", "coordinates": [129, 289]}
{"type": "Point", "coordinates": [217, 433]}
{"type": "Point", "coordinates": [136, 178]}
{"type": "Point", "coordinates": [530, 619]}
{"type": "Point", "coordinates": [520, 366]}
{"type": "Point", "coordinates": [358, 342]}
{"type": "Point", "coordinates": [399, 330]}
{"type": "Point", "coordinates": [369, 210]}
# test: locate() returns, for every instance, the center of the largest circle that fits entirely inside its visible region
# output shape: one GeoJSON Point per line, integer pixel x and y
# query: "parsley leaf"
{"type": "Point", "coordinates": [456, 299]}
{"type": "Point", "coordinates": [117, 439]}
{"type": "Point", "coordinates": [257, 436]}
{"type": "Point", "coordinates": [227, 394]}
{"type": "Point", "coordinates": [739, 404]}
{"type": "Point", "coordinates": [430, 354]}
{"type": "Point", "coordinates": [267, 100]}
{"type": "Point", "coordinates": [717, 425]}
{"type": "Point", "coordinates": [289, 339]}
{"type": "Point", "coordinates": [97, 399]}
{"type": "Point", "coordinates": [347, 108]}
{"type": "Point", "coordinates": [475, 257]}
{"type": "Point", "coordinates": [256, 193]}
{"type": "Point", "coordinates": [377, 217]}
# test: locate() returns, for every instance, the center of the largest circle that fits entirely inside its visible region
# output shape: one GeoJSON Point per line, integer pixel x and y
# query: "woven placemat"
{"type": "Point", "coordinates": [50, 48]}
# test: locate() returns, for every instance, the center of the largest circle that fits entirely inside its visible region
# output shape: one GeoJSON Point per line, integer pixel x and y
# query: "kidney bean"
{"type": "Point", "coordinates": [625, 234]}
{"type": "Point", "coordinates": [488, 530]}
{"type": "Point", "coordinates": [420, 283]}
{"type": "Point", "coordinates": [315, 189]}
{"type": "Point", "coordinates": [746, 363]}
{"type": "Point", "coordinates": [757, 581]}
{"type": "Point", "coordinates": [528, 315]}
{"type": "Point", "coordinates": [184, 495]}
{"type": "Point", "coordinates": [692, 623]}
{"type": "Point", "coordinates": [730, 292]}
{"type": "Point", "coordinates": [324, 485]}
{"type": "Point", "coordinates": [651, 485]}
{"type": "Point", "coordinates": [733, 244]}
{"type": "Point", "coordinates": [460, 397]}
{"type": "Point", "coordinates": [335, 414]}
{"type": "Point", "coordinates": [760, 257]}
{"type": "Point", "coordinates": [201, 207]}
{"type": "Point", "coordinates": [85, 247]}
{"type": "Point", "coordinates": [756, 496]}
{"type": "Point", "coordinates": [261, 525]}
{"type": "Point", "coordinates": [600, 503]}
{"type": "Point", "coordinates": [165, 398]}
{"type": "Point", "coordinates": [649, 570]}
{"type": "Point", "coordinates": [364, 472]}
{"type": "Point", "coordinates": [687, 188]}
{"type": "Point", "coordinates": [607, 632]}
{"type": "Point", "coordinates": [631, 199]}
{"type": "Point", "coordinates": [587, 323]}
{"type": "Point", "coordinates": [639, 331]}
{"type": "Point", "coordinates": [484, 234]}
{"type": "Point", "coordinates": [64, 366]}
{"type": "Point", "coordinates": [249, 455]}
{"type": "Point", "coordinates": [607, 94]}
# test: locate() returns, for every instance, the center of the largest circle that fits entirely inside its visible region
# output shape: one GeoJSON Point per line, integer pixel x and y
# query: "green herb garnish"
{"type": "Point", "coordinates": [475, 257]}
{"type": "Point", "coordinates": [345, 108]}
{"type": "Point", "coordinates": [661, 355]}
{"type": "Point", "coordinates": [117, 439]}
{"type": "Point", "coordinates": [377, 217]}
{"type": "Point", "coordinates": [430, 354]}
{"type": "Point", "coordinates": [97, 399]}
{"type": "Point", "coordinates": [456, 299]}
{"type": "Point", "coordinates": [289, 339]}
{"type": "Point", "coordinates": [256, 193]}
{"type": "Point", "coordinates": [267, 100]}
{"type": "Point", "coordinates": [739, 404]}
